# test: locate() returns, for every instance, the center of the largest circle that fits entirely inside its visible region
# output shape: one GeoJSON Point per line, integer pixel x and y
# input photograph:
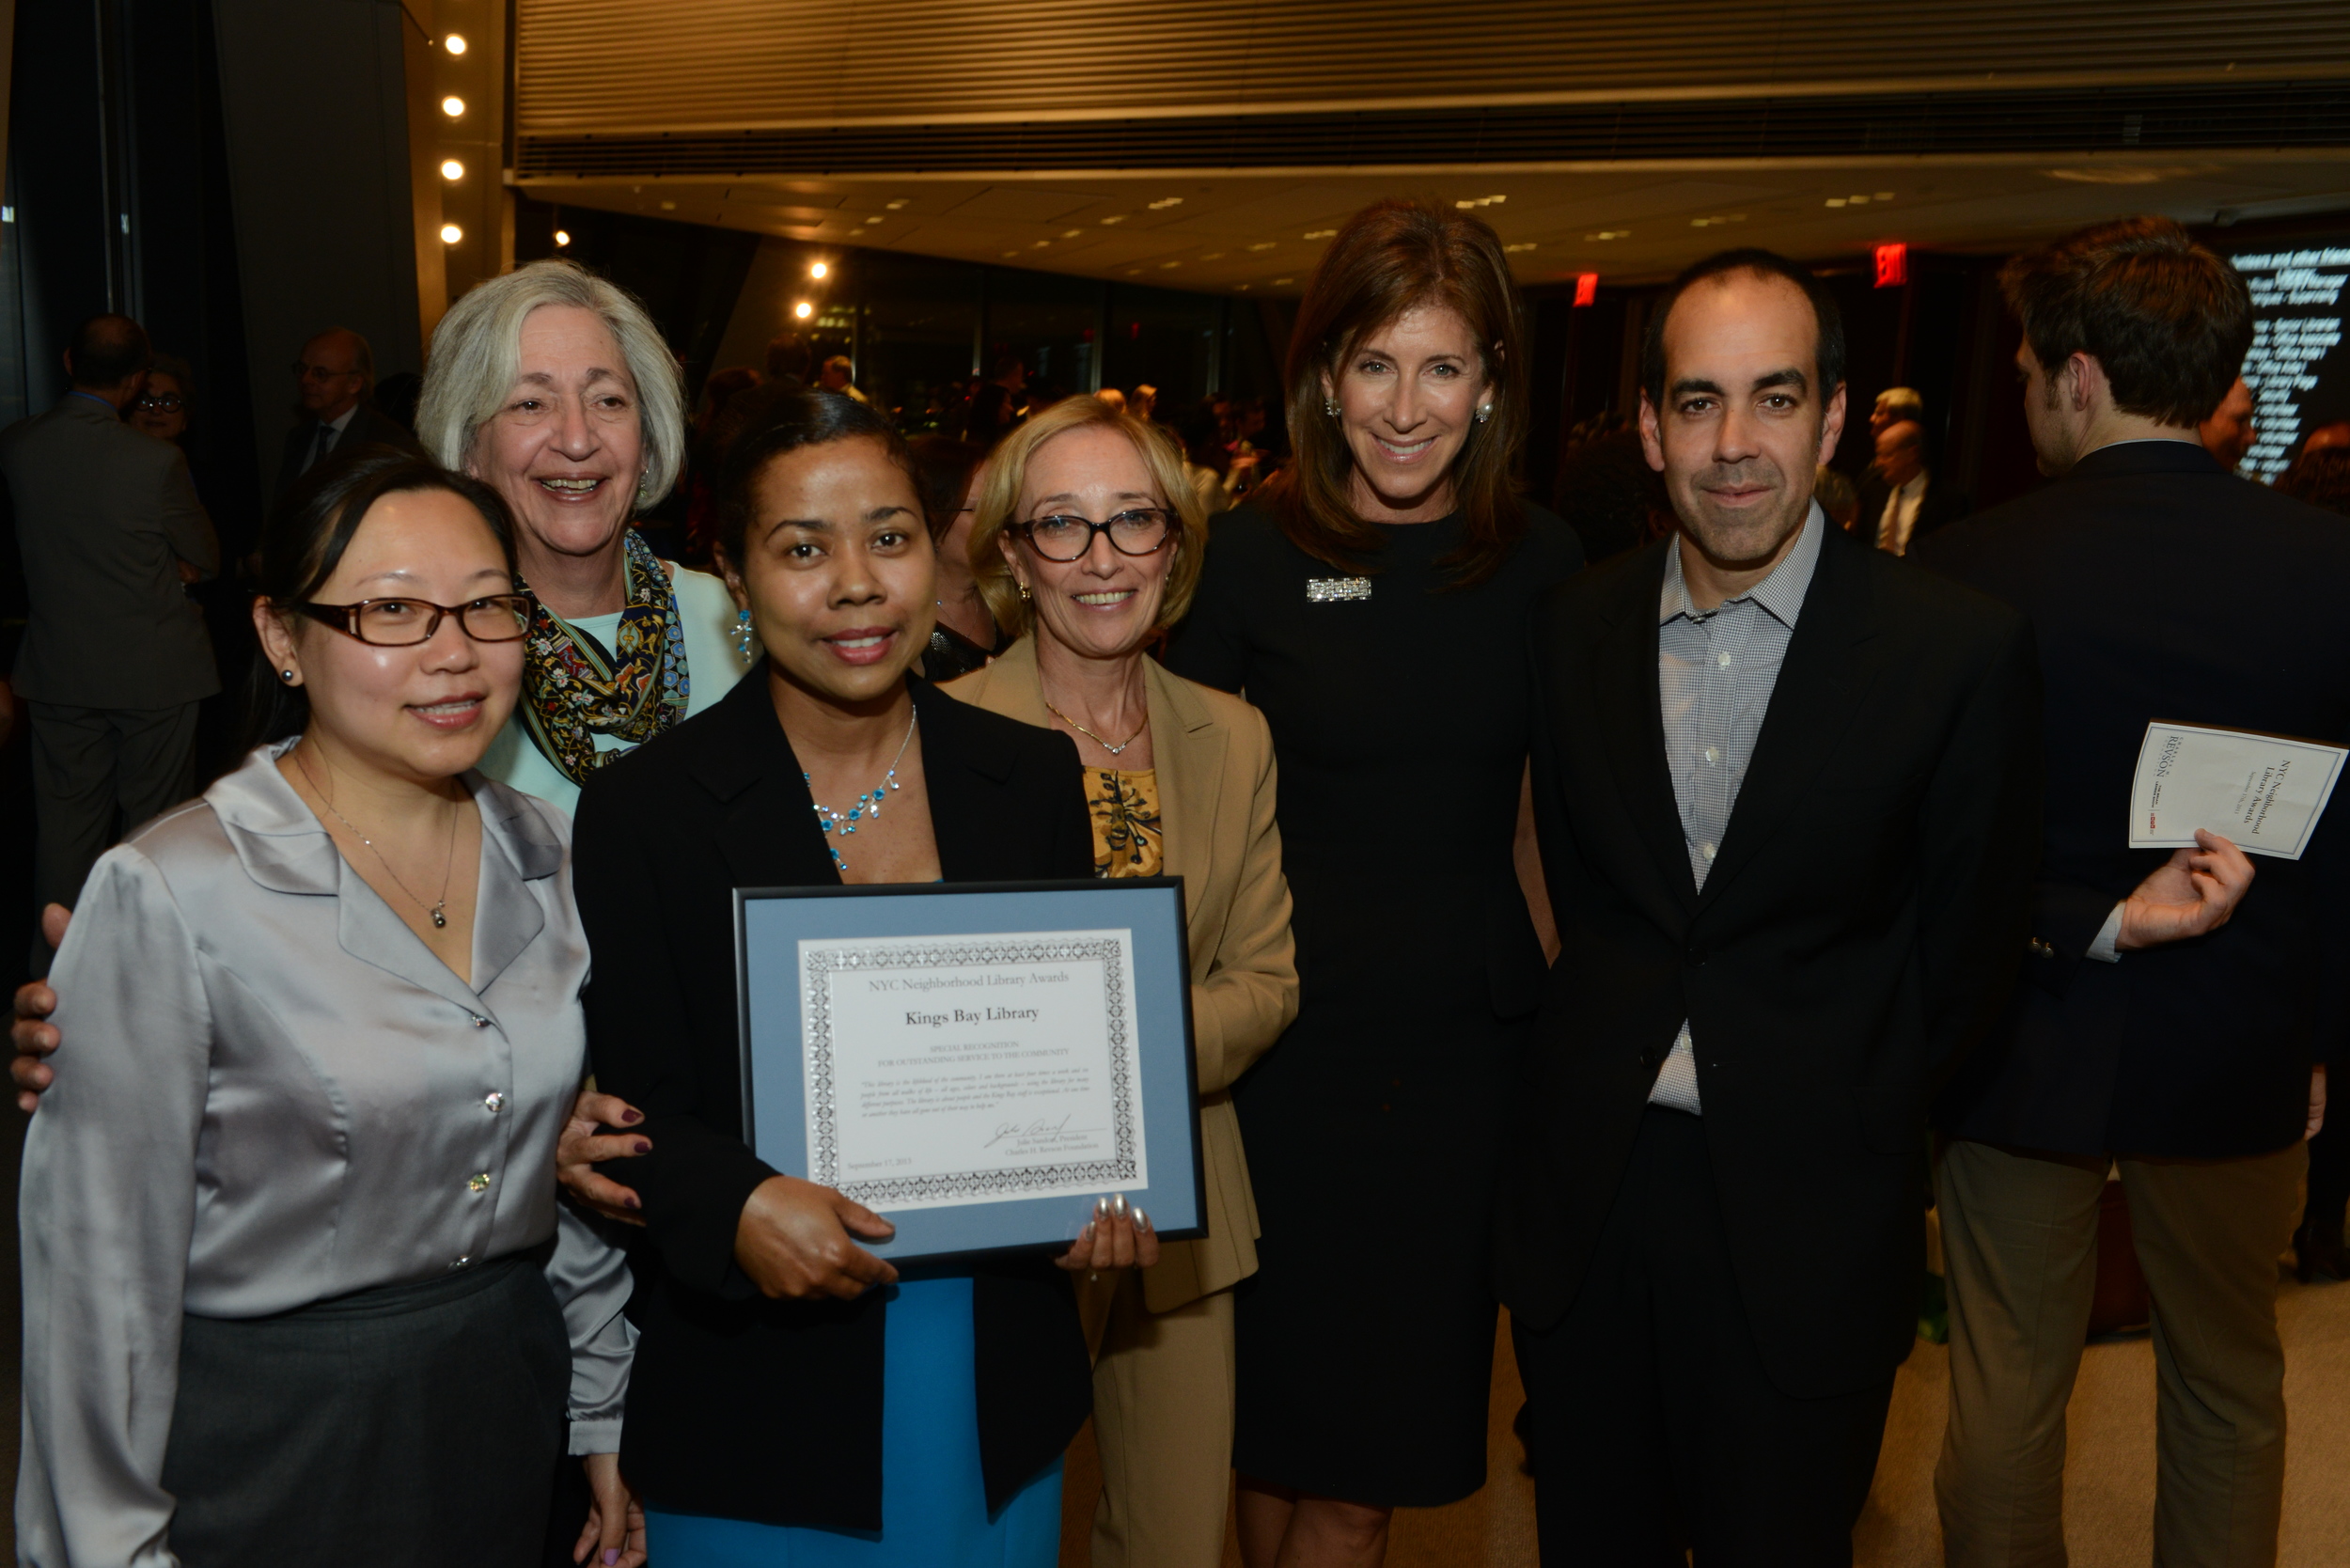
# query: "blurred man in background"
{"type": "Point", "coordinates": [2227, 434]}
{"type": "Point", "coordinates": [116, 658]}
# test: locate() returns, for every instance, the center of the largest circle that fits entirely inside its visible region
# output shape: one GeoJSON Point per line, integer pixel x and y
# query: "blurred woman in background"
{"type": "Point", "coordinates": [965, 635]}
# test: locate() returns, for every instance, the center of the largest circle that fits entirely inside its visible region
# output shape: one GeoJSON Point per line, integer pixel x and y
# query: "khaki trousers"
{"type": "Point", "coordinates": [1163, 1422]}
{"type": "Point", "coordinates": [2019, 1235]}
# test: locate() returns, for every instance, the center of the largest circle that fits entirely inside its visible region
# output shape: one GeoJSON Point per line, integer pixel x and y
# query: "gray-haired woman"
{"type": "Point", "coordinates": [554, 387]}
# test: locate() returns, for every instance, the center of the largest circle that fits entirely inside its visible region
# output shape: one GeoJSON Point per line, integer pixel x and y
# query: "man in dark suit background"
{"type": "Point", "coordinates": [335, 382]}
{"type": "Point", "coordinates": [1786, 791]}
{"type": "Point", "coordinates": [2162, 1024]}
{"type": "Point", "coordinates": [116, 658]}
{"type": "Point", "coordinates": [1901, 501]}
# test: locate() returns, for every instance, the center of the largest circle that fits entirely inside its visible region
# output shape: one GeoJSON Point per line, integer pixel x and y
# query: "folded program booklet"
{"type": "Point", "coordinates": [2262, 792]}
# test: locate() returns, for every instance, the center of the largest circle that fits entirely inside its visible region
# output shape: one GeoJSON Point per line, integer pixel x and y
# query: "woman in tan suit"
{"type": "Point", "coordinates": [1087, 543]}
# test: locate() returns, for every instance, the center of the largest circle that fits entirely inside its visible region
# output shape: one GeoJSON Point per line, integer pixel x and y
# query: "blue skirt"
{"type": "Point", "coordinates": [934, 1502]}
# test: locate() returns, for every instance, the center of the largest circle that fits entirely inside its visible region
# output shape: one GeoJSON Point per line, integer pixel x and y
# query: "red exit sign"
{"type": "Point", "coordinates": [1587, 289]}
{"type": "Point", "coordinates": [1892, 265]}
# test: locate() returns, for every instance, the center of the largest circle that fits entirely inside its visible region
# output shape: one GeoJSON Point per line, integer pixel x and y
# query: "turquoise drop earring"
{"type": "Point", "coordinates": [743, 634]}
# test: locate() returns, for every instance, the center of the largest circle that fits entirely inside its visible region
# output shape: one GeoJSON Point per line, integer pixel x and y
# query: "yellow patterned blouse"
{"type": "Point", "coordinates": [1126, 836]}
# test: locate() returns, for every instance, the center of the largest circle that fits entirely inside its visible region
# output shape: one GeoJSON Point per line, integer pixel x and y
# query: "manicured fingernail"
{"type": "Point", "coordinates": [643, 1148]}
{"type": "Point", "coordinates": [611, 1556]}
{"type": "Point", "coordinates": [633, 1202]}
{"type": "Point", "coordinates": [1100, 1207]}
{"type": "Point", "coordinates": [1142, 1221]}
{"type": "Point", "coordinates": [632, 1115]}
{"type": "Point", "coordinates": [1118, 1204]}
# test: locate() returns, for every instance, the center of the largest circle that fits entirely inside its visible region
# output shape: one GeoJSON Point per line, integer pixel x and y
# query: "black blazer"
{"type": "Point", "coordinates": [1856, 937]}
{"type": "Point", "coordinates": [741, 1406]}
{"type": "Point", "coordinates": [1937, 509]}
{"type": "Point", "coordinates": [2162, 586]}
{"type": "Point", "coordinates": [370, 425]}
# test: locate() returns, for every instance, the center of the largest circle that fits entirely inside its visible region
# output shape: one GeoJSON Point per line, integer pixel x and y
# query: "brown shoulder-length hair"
{"type": "Point", "coordinates": [1391, 257]}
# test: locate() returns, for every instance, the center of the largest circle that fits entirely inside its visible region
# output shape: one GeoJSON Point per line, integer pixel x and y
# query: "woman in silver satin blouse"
{"type": "Point", "coordinates": [298, 1288]}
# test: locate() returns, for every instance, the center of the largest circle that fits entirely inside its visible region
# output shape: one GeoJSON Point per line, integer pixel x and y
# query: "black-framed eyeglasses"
{"type": "Point", "coordinates": [405, 622]}
{"type": "Point", "coordinates": [1062, 537]}
{"type": "Point", "coordinates": [162, 402]}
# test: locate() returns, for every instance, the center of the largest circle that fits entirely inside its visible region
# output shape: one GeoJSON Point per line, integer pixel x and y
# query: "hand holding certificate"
{"type": "Point", "coordinates": [986, 1068]}
{"type": "Point", "coordinates": [2264, 793]}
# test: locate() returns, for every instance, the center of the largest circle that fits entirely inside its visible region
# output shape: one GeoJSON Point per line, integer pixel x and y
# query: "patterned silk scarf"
{"type": "Point", "coordinates": [573, 692]}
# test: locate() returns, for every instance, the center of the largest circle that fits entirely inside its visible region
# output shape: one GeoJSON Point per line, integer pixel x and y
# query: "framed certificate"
{"type": "Point", "coordinates": [977, 1061]}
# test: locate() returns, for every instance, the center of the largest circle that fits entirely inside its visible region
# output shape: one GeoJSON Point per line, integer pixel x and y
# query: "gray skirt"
{"type": "Point", "coordinates": [414, 1424]}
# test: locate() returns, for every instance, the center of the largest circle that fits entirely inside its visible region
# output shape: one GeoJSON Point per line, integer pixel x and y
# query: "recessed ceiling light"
{"type": "Point", "coordinates": [454, 43]}
{"type": "Point", "coordinates": [1322, 234]}
{"type": "Point", "coordinates": [452, 105]}
{"type": "Point", "coordinates": [1610, 234]}
{"type": "Point", "coordinates": [1213, 255]}
{"type": "Point", "coordinates": [804, 310]}
{"type": "Point", "coordinates": [1279, 281]}
{"type": "Point", "coordinates": [900, 202]}
{"type": "Point", "coordinates": [1709, 223]}
{"type": "Point", "coordinates": [1523, 244]}
{"type": "Point", "coordinates": [1264, 244]}
{"type": "Point", "coordinates": [1072, 233]}
{"type": "Point", "coordinates": [562, 236]}
{"type": "Point", "coordinates": [669, 207]}
{"type": "Point", "coordinates": [1009, 254]}
{"type": "Point", "coordinates": [452, 169]}
{"type": "Point", "coordinates": [1040, 245]}
{"type": "Point", "coordinates": [820, 271]}
{"type": "Point", "coordinates": [1166, 202]}
{"type": "Point", "coordinates": [1114, 218]}
{"type": "Point", "coordinates": [450, 233]}
{"type": "Point", "coordinates": [1166, 266]}
{"type": "Point", "coordinates": [1836, 201]}
{"type": "Point", "coordinates": [875, 218]}
{"type": "Point", "coordinates": [1885, 196]}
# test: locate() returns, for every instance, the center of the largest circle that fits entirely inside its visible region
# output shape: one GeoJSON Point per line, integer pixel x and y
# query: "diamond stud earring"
{"type": "Point", "coordinates": [1330, 407]}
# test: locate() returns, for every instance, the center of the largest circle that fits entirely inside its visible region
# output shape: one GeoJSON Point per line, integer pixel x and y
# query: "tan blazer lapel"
{"type": "Point", "coordinates": [1187, 752]}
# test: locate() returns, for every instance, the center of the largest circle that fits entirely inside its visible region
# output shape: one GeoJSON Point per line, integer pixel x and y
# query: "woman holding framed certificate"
{"type": "Point", "coordinates": [1374, 603]}
{"type": "Point", "coordinates": [795, 1401]}
{"type": "Point", "coordinates": [1088, 541]}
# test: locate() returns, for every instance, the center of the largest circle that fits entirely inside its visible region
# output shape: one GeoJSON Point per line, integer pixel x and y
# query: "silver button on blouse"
{"type": "Point", "coordinates": [494, 1102]}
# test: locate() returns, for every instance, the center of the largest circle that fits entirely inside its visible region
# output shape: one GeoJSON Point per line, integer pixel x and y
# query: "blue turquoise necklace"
{"type": "Point", "coordinates": [830, 822]}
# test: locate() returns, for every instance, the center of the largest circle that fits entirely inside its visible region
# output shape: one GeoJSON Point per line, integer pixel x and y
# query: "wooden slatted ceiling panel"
{"type": "Point", "coordinates": [587, 65]}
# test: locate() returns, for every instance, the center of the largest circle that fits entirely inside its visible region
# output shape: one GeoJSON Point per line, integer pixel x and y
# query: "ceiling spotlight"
{"type": "Point", "coordinates": [819, 271]}
{"type": "Point", "coordinates": [893, 206]}
{"type": "Point", "coordinates": [1322, 233]}
{"type": "Point", "coordinates": [452, 169]}
{"type": "Point", "coordinates": [562, 236]}
{"type": "Point", "coordinates": [1523, 244]}
{"type": "Point", "coordinates": [450, 234]}
{"type": "Point", "coordinates": [1164, 202]}
{"type": "Point", "coordinates": [452, 105]}
{"type": "Point", "coordinates": [875, 218]}
{"type": "Point", "coordinates": [804, 310]}
{"type": "Point", "coordinates": [1283, 282]}
{"type": "Point", "coordinates": [454, 43]}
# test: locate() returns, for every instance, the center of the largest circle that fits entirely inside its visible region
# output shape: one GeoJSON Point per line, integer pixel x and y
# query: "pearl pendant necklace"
{"type": "Point", "coordinates": [830, 822]}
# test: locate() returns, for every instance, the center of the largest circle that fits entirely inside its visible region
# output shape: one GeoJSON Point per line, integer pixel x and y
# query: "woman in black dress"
{"type": "Point", "coordinates": [1373, 602]}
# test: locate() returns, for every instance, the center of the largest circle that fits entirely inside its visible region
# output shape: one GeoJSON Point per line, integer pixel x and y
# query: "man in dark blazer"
{"type": "Point", "coordinates": [116, 658]}
{"type": "Point", "coordinates": [2152, 1028]}
{"type": "Point", "coordinates": [335, 385]}
{"type": "Point", "coordinates": [1902, 501]}
{"type": "Point", "coordinates": [1786, 790]}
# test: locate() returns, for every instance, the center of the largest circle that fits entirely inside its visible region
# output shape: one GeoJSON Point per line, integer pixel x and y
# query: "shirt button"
{"type": "Point", "coordinates": [1722, 659]}
{"type": "Point", "coordinates": [1713, 753]}
{"type": "Point", "coordinates": [479, 1022]}
{"type": "Point", "coordinates": [494, 1102]}
{"type": "Point", "coordinates": [1706, 850]}
{"type": "Point", "coordinates": [463, 1263]}
{"type": "Point", "coordinates": [478, 1182]}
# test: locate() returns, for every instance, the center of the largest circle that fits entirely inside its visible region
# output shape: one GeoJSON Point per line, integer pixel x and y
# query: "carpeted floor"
{"type": "Point", "coordinates": [2110, 1476]}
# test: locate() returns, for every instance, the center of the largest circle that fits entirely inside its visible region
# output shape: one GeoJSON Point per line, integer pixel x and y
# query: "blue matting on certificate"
{"type": "Point", "coordinates": [773, 924]}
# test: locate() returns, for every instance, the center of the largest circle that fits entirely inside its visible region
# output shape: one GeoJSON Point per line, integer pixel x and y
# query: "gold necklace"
{"type": "Point", "coordinates": [438, 911]}
{"type": "Point", "coordinates": [1089, 735]}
